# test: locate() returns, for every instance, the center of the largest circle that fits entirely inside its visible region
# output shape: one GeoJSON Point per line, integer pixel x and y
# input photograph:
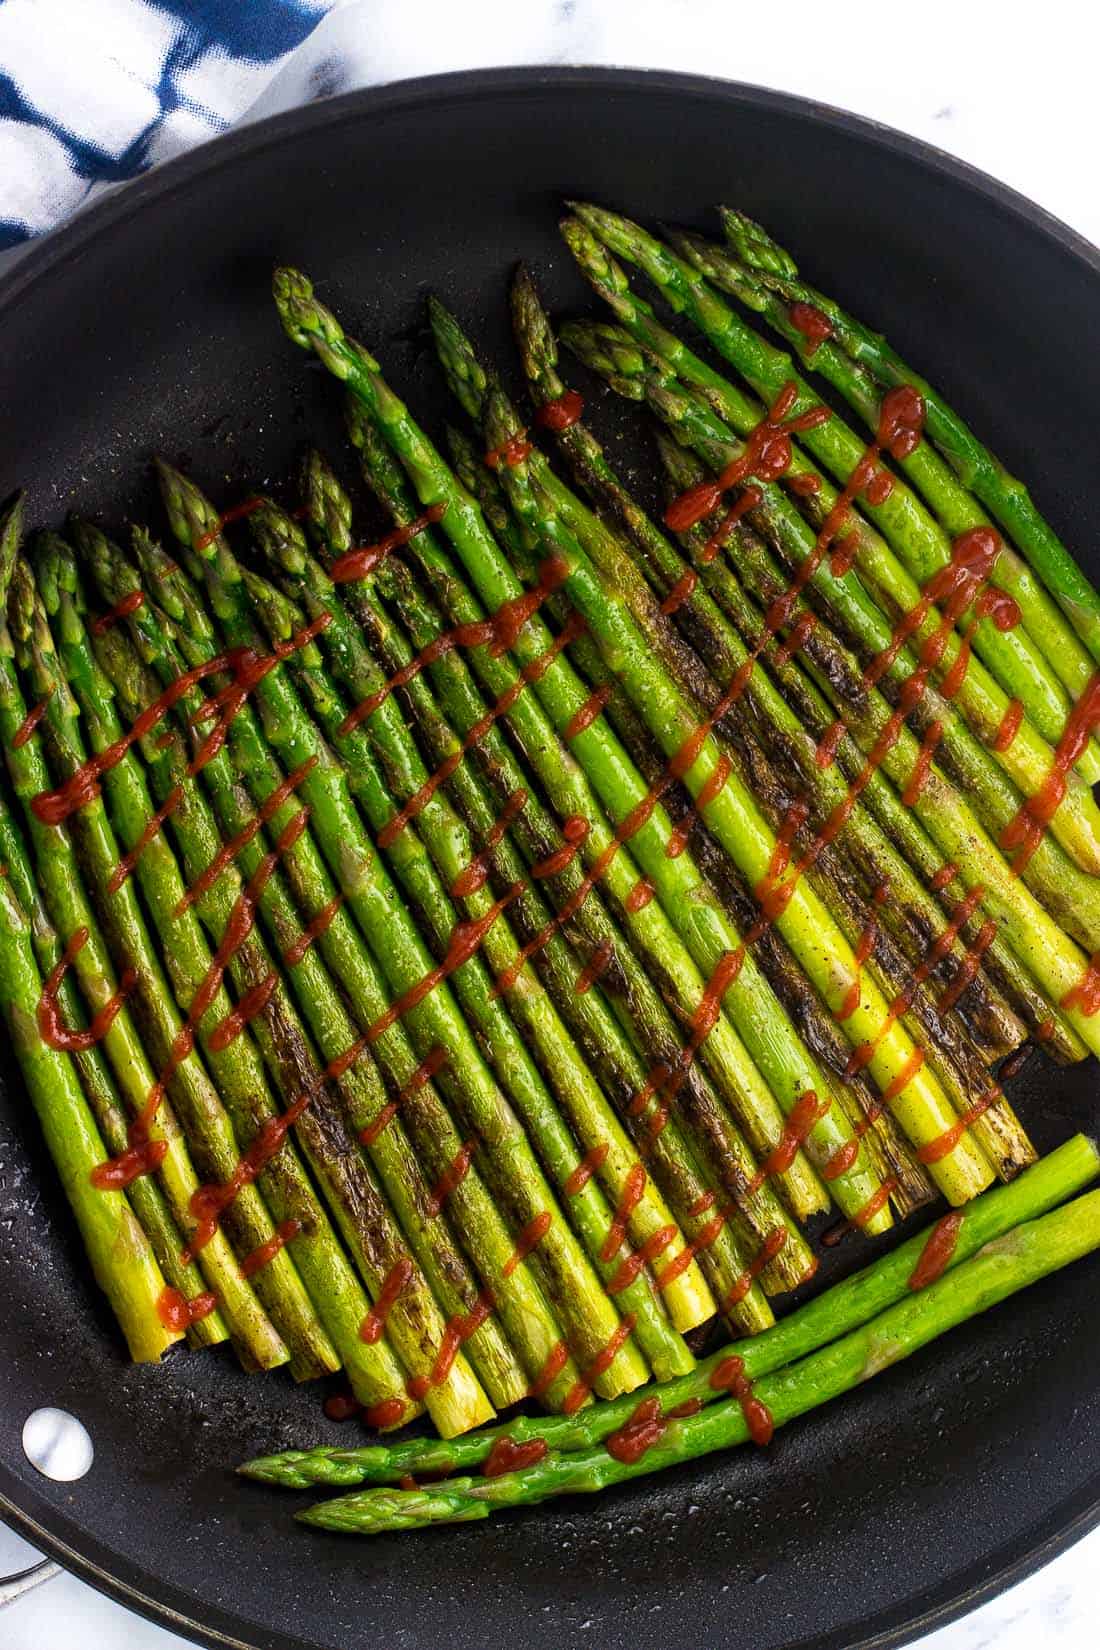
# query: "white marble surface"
{"type": "Point", "coordinates": [1010, 89]}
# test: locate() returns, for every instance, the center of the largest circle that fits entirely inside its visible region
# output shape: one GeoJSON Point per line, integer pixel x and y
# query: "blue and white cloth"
{"type": "Point", "coordinates": [93, 91]}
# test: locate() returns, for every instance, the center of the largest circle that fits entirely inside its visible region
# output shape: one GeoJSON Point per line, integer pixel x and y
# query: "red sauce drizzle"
{"type": "Point", "coordinates": [814, 326]}
{"type": "Point", "coordinates": [228, 852]}
{"type": "Point", "coordinates": [51, 1028]}
{"type": "Point", "coordinates": [252, 1002]}
{"type": "Point", "coordinates": [237, 513]}
{"type": "Point", "coordinates": [207, 1202]}
{"type": "Point", "coordinates": [637, 1436]}
{"type": "Point", "coordinates": [600, 1364]}
{"type": "Point", "coordinates": [589, 711]}
{"type": "Point", "coordinates": [681, 592]}
{"type": "Point", "coordinates": [596, 966]}
{"type": "Point", "coordinates": [121, 610]}
{"type": "Point", "coordinates": [152, 828]}
{"type": "Point", "coordinates": [804, 482]}
{"type": "Point", "coordinates": [556, 1360]}
{"type": "Point", "coordinates": [1025, 832]}
{"type": "Point", "coordinates": [767, 1252]}
{"type": "Point", "coordinates": [1085, 995]}
{"type": "Point", "coordinates": [574, 829]}
{"type": "Point", "coordinates": [527, 1242]}
{"type": "Point", "coordinates": [452, 1177]}
{"type": "Point", "coordinates": [729, 1376]}
{"type": "Point", "coordinates": [343, 1406]}
{"type": "Point", "coordinates": [397, 1278]}
{"type": "Point", "coordinates": [26, 728]}
{"type": "Point", "coordinates": [385, 1414]}
{"type": "Point", "coordinates": [634, 1184]}
{"type": "Point", "coordinates": [922, 765]}
{"type": "Point", "coordinates": [631, 1265]}
{"type": "Point", "coordinates": [178, 1314]}
{"type": "Point", "coordinates": [456, 1332]}
{"type": "Point", "coordinates": [476, 874]}
{"type": "Point", "coordinates": [936, 1255]}
{"type": "Point", "coordinates": [806, 1112]}
{"type": "Point", "coordinates": [968, 966]}
{"type": "Point", "coordinates": [1009, 726]}
{"type": "Point", "coordinates": [510, 452]}
{"type": "Point", "coordinates": [265, 1253]}
{"type": "Point", "coordinates": [360, 563]}
{"type": "Point", "coordinates": [247, 670]}
{"type": "Point", "coordinates": [314, 928]}
{"type": "Point", "coordinates": [585, 1169]}
{"type": "Point", "coordinates": [506, 1455]}
{"type": "Point", "coordinates": [877, 1200]}
{"type": "Point", "coordinates": [640, 895]}
{"type": "Point", "coordinates": [562, 412]}
{"type": "Point", "coordinates": [829, 744]}
{"type": "Point", "coordinates": [435, 1059]}
{"type": "Point", "coordinates": [944, 877]}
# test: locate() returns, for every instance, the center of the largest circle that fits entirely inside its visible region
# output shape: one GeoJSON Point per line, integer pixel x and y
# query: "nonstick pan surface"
{"type": "Point", "coordinates": [146, 325]}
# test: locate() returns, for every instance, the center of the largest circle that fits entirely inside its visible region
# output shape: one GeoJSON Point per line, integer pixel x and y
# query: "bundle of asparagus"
{"type": "Point", "coordinates": [467, 959]}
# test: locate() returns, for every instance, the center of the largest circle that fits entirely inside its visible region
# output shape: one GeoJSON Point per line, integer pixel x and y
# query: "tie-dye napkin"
{"type": "Point", "coordinates": [93, 91]}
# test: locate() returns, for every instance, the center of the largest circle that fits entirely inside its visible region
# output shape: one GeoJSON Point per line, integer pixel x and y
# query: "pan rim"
{"type": "Point", "coordinates": [1026, 1554]}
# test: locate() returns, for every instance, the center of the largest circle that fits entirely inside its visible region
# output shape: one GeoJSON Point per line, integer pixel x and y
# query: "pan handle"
{"type": "Point", "coordinates": [13, 1587]}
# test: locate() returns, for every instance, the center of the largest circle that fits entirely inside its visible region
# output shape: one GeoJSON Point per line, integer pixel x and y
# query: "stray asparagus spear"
{"type": "Point", "coordinates": [654, 1439]}
{"type": "Point", "coordinates": [1057, 1177]}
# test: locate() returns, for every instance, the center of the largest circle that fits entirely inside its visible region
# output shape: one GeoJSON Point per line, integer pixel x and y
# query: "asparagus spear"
{"type": "Point", "coordinates": [1021, 1256]}
{"type": "Point", "coordinates": [725, 1254]}
{"type": "Point", "coordinates": [424, 998]}
{"type": "Point", "coordinates": [1004, 496]}
{"type": "Point", "coordinates": [210, 1130]}
{"type": "Point", "coordinates": [732, 815]}
{"type": "Point", "coordinates": [59, 877]}
{"type": "Point", "coordinates": [121, 1257]}
{"type": "Point", "coordinates": [342, 1305]}
{"type": "Point", "coordinates": [590, 1212]}
{"type": "Point", "coordinates": [448, 839]}
{"type": "Point", "coordinates": [846, 1306]}
{"type": "Point", "coordinates": [1068, 895]}
{"type": "Point", "coordinates": [1019, 660]}
{"type": "Point", "coordinates": [522, 1306]}
{"type": "Point", "coordinates": [1027, 757]}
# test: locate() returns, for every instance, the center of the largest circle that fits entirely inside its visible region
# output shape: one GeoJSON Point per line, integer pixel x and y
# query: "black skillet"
{"type": "Point", "coordinates": [146, 325]}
